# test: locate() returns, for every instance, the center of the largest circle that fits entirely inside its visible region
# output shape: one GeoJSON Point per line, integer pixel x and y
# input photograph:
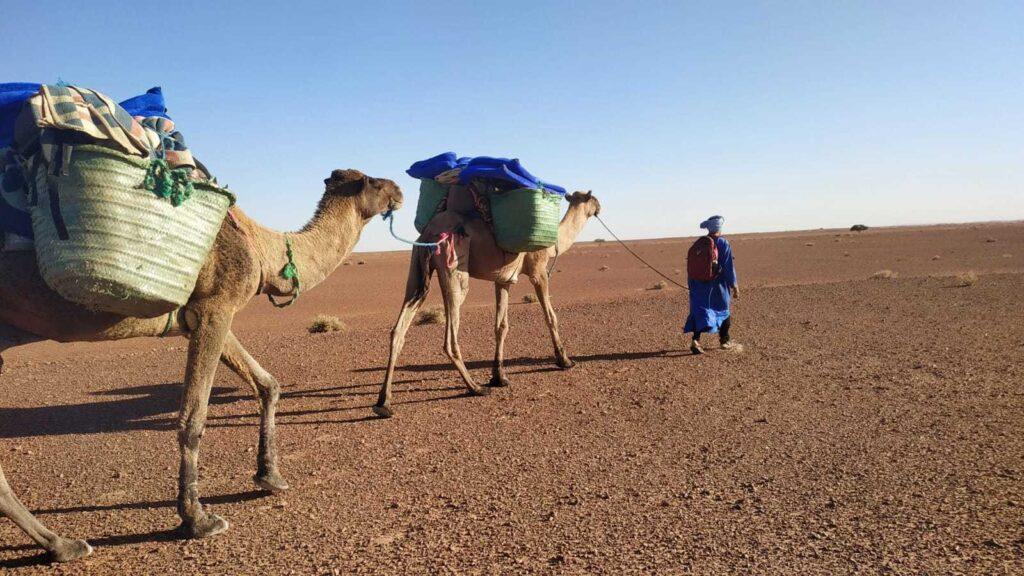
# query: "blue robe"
{"type": "Point", "coordinates": [709, 301]}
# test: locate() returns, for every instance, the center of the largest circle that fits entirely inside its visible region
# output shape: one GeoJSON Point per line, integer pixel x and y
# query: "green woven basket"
{"type": "Point", "coordinates": [106, 242]}
{"type": "Point", "coordinates": [525, 219]}
{"type": "Point", "coordinates": [432, 194]}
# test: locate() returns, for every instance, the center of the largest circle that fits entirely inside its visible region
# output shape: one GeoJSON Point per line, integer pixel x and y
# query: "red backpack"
{"type": "Point", "coordinates": [702, 260]}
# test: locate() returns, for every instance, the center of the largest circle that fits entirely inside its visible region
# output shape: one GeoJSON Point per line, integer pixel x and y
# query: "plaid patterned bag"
{"type": "Point", "coordinates": [97, 116]}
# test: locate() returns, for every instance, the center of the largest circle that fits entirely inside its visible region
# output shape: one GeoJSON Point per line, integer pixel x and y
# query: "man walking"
{"type": "Point", "coordinates": [711, 276]}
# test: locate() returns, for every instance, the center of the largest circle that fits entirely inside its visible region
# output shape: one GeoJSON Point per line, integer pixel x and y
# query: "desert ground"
{"type": "Point", "coordinates": [868, 426]}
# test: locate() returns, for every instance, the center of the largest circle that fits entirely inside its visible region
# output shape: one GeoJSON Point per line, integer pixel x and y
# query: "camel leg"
{"type": "Point", "coordinates": [204, 350]}
{"type": "Point", "coordinates": [454, 286]}
{"type": "Point", "coordinates": [416, 289]}
{"type": "Point", "coordinates": [268, 391]}
{"type": "Point", "coordinates": [60, 549]}
{"type": "Point", "coordinates": [540, 285]}
{"type": "Point", "coordinates": [498, 376]}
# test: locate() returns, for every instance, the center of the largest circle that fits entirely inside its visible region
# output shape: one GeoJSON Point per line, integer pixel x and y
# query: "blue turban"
{"type": "Point", "coordinates": [713, 224]}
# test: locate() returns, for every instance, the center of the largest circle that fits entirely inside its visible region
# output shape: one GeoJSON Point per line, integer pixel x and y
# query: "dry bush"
{"type": "Point", "coordinates": [323, 323]}
{"type": "Point", "coordinates": [858, 228]}
{"type": "Point", "coordinates": [883, 275]}
{"type": "Point", "coordinates": [936, 257]}
{"type": "Point", "coordinates": [599, 240]}
{"type": "Point", "coordinates": [809, 244]}
{"type": "Point", "coordinates": [430, 315]}
{"type": "Point", "coordinates": [659, 286]}
{"type": "Point", "coordinates": [603, 268]}
{"type": "Point", "coordinates": [529, 298]}
{"type": "Point", "coordinates": [965, 279]}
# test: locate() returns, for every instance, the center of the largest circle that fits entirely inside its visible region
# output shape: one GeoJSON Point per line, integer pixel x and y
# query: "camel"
{"type": "Point", "coordinates": [246, 259]}
{"type": "Point", "coordinates": [478, 256]}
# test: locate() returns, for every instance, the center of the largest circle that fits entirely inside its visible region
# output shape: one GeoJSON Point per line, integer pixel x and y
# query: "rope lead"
{"type": "Point", "coordinates": [637, 256]}
{"type": "Point", "coordinates": [390, 217]}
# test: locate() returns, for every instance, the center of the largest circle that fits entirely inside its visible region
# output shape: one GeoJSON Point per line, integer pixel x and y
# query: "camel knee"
{"type": "Point", "coordinates": [270, 389]}
{"type": "Point", "coordinates": [189, 436]}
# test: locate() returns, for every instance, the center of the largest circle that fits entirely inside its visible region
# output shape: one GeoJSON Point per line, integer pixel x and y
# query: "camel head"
{"type": "Point", "coordinates": [372, 196]}
{"type": "Point", "coordinates": [586, 201]}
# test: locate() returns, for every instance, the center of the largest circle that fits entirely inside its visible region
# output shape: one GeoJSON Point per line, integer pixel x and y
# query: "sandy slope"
{"type": "Point", "coordinates": [868, 426]}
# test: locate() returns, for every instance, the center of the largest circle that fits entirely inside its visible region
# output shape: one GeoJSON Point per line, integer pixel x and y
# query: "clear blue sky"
{"type": "Point", "coordinates": [779, 115]}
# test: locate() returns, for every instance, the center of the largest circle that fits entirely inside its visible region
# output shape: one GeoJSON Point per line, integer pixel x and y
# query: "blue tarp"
{"type": "Point", "coordinates": [431, 167]}
{"type": "Point", "coordinates": [14, 94]}
{"type": "Point", "coordinates": [481, 167]}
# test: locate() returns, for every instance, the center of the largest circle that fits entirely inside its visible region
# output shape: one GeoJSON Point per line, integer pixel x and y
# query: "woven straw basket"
{"type": "Point", "coordinates": [109, 244]}
{"type": "Point", "coordinates": [525, 219]}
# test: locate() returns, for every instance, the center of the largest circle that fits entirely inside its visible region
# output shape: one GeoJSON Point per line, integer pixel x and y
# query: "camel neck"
{"type": "Point", "coordinates": [318, 249]}
{"type": "Point", "coordinates": [570, 226]}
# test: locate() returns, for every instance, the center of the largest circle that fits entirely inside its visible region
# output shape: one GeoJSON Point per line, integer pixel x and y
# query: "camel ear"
{"type": "Point", "coordinates": [590, 194]}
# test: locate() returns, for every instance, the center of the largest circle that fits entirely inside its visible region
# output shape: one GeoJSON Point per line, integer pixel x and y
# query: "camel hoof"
{"type": "Point", "coordinates": [565, 363]}
{"type": "Point", "coordinates": [68, 550]}
{"type": "Point", "coordinates": [211, 525]}
{"type": "Point", "coordinates": [478, 391]}
{"type": "Point", "coordinates": [498, 382]}
{"type": "Point", "coordinates": [273, 483]}
{"type": "Point", "coordinates": [383, 411]}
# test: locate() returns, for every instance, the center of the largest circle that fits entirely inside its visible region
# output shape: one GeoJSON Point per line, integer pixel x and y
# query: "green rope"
{"type": "Point", "coordinates": [173, 184]}
{"type": "Point", "coordinates": [170, 322]}
{"type": "Point", "coordinates": [289, 272]}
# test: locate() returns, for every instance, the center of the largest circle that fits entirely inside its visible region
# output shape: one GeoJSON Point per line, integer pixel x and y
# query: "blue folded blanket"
{"type": "Point", "coordinates": [432, 167]}
{"type": "Point", "coordinates": [481, 167]}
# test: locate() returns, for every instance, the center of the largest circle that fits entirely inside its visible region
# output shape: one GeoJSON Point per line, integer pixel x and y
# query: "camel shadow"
{"type": "Point", "coordinates": [217, 422]}
{"type": "Point", "coordinates": [140, 411]}
{"type": "Point", "coordinates": [236, 498]}
{"type": "Point", "coordinates": [529, 362]}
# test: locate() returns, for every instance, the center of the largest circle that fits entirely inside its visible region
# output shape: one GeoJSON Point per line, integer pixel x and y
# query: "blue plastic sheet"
{"type": "Point", "coordinates": [509, 170]}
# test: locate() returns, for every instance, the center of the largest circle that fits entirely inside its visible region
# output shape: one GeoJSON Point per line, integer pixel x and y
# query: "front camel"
{"type": "Point", "coordinates": [246, 259]}
{"type": "Point", "coordinates": [478, 256]}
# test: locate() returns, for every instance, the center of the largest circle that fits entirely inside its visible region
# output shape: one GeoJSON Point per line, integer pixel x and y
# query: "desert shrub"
{"type": "Point", "coordinates": [659, 286]}
{"type": "Point", "coordinates": [883, 275]}
{"type": "Point", "coordinates": [529, 298]}
{"type": "Point", "coordinates": [808, 243]}
{"type": "Point", "coordinates": [599, 240]}
{"type": "Point", "coordinates": [430, 315]}
{"type": "Point", "coordinates": [323, 323]}
{"type": "Point", "coordinates": [936, 257]}
{"type": "Point", "coordinates": [858, 228]}
{"type": "Point", "coordinates": [965, 279]}
{"type": "Point", "coordinates": [603, 268]}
